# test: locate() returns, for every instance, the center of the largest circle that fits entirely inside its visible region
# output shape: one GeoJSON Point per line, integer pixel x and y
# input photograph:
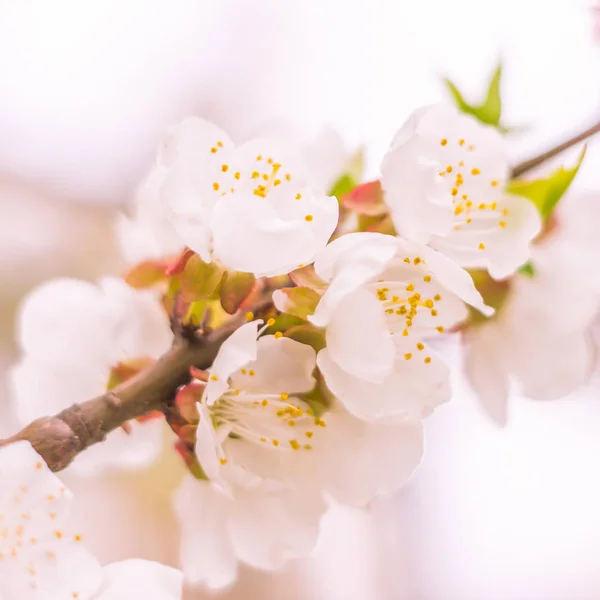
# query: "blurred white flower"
{"type": "Point", "coordinates": [136, 578]}
{"type": "Point", "coordinates": [541, 336]}
{"type": "Point", "coordinates": [38, 558]}
{"type": "Point", "coordinates": [147, 233]}
{"type": "Point", "coordinates": [252, 207]}
{"type": "Point", "coordinates": [261, 523]}
{"type": "Point", "coordinates": [443, 178]}
{"type": "Point", "coordinates": [385, 299]}
{"type": "Point", "coordinates": [72, 334]}
{"type": "Point", "coordinates": [270, 460]}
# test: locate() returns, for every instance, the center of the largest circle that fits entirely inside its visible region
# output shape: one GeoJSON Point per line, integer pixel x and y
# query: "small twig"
{"type": "Point", "coordinates": [534, 162]}
{"type": "Point", "coordinates": [60, 438]}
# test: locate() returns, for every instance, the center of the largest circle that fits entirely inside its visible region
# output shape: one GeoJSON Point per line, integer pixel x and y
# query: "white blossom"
{"type": "Point", "coordinates": [147, 233]}
{"type": "Point", "coordinates": [71, 334]}
{"type": "Point", "coordinates": [270, 460]}
{"type": "Point", "coordinates": [540, 337]}
{"type": "Point", "coordinates": [444, 178]}
{"type": "Point", "coordinates": [252, 207]}
{"type": "Point", "coordinates": [39, 558]}
{"type": "Point", "coordinates": [386, 298]}
{"type": "Point", "coordinates": [136, 578]}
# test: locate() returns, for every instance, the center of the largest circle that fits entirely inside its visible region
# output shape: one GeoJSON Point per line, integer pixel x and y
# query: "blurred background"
{"type": "Point", "coordinates": [86, 91]}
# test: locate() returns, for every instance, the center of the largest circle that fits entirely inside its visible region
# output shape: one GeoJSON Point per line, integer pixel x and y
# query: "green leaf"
{"type": "Point", "coordinates": [235, 289]}
{"type": "Point", "coordinates": [298, 301]}
{"type": "Point", "coordinates": [546, 193]}
{"type": "Point", "coordinates": [309, 335]}
{"type": "Point", "coordinates": [350, 178]}
{"type": "Point", "coordinates": [528, 270]}
{"type": "Point", "coordinates": [199, 279]}
{"type": "Point", "coordinates": [344, 185]}
{"type": "Point", "coordinates": [490, 110]}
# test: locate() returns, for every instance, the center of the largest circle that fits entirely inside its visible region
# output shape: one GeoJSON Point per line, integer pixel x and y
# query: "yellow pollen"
{"type": "Point", "coordinates": [307, 447]}
{"type": "Point", "coordinates": [277, 182]}
{"type": "Point", "coordinates": [308, 218]}
{"type": "Point", "coordinates": [494, 182]}
{"type": "Point", "coordinates": [255, 174]}
{"type": "Point", "coordinates": [444, 141]}
{"type": "Point", "coordinates": [298, 196]}
{"type": "Point", "coordinates": [265, 402]}
{"type": "Point", "coordinates": [270, 161]}
{"type": "Point", "coordinates": [454, 191]}
{"type": "Point", "coordinates": [59, 534]}
{"type": "Point", "coordinates": [78, 538]}
{"type": "Point", "coordinates": [440, 328]}
{"type": "Point", "coordinates": [271, 322]}
{"type": "Point", "coordinates": [482, 206]}
{"type": "Point", "coordinates": [291, 422]}
{"type": "Point", "coordinates": [475, 171]}
{"type": "Point", "coordinates": [461, 142]}
{"type": "Point", "coordinates": [251, 373]}
{"type": "Point", "coordinates": [458, 210]}
{"type": "Point", "coordinates": [223, 461]}
{"type": "Point", "coordinates": [481, 246]}
{"type": "Point", "coordinates": [259, 157]}
{"type": "Point", "coordinates": [449, 169]}
{"type": "Point", "coordinates": [275, 443]}
{"type": "Point", "coordinates": [243, 371]}
{"type": "Point", "coordinates": [288, 177]}
{"type": "Point", "coordinates": [434, 313]}
{"type": "Point", "coordinates": [410, 287]}
{"type": "Point", "coordinates": [417, 260]}
{"type": "Point", "coordinates": [294, 444]}
{"type": "Point", "coordinates": [220, 144]}
{"type": "Point", "coordinates": [504, 212]}
{"type": "Point", "coordinates": [224, 168]}
{"type": "Point", "coordinates": [429, 303]}
{"type": "Point", "coordinates": [249, 316]}
{"type": "Point", "coordinates": [427, 278]}
{"type": "Point", "coordinates": [471, 148]}
{"type": "Point", "coordinates": [265, 177]}
{"type": "Point", "coordinates": [461, 163]}
{"type": "Point", "coordinates": [52, 515]}
{"type": "Point", "coordinates": [502, 224]}
{"type": "Point", "coordinates": [213, 378]}
{"type": "Point", "coordinates": [215, 186]}
{"type": "Point", "coordinates": [494, 205]}
{"type": "Point", "coordinates": [283, 396]}
{"type": "Point", "coordinates": [407, 356]}
{"type": "Point", "coordinates": [213, 150]}
{"type": "Point", "coordinates": [38, 465]}
{"type": "Point", "coordinates": [237, 174]}
{"type": "Point", "coordinates": [420, 346]}
{"type": "Point", "coordinates": [263, 439]}
{"type": "Point", "coordinates": [33, 540]}
{"type": "Point", "coordinates": [309, 434]}
{"type": "Point", "coordinates": [277, 335]}
{"type": "Point", "coordinates": [427, 360]}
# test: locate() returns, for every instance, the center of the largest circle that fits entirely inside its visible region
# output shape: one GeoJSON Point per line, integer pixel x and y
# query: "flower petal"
{"type": "Point", "coordinates": [358, 339]}
{"type": "Point", "coordinates": [207, 554]}
{"type": "Point", "coordinates": [281, 365]}
{"type": "Point", "coordinates": [351, 261]}
{"type": "Point", "coordinates": [237, 350]}
{"type": "Point", "coordinates": [370, 459]}
{"type": "Point", "coordinates": [269, 528]}
{"type": "Point", "coordinates": [140, 578]}
{"type": "Point", "coordinates": [412, 390]}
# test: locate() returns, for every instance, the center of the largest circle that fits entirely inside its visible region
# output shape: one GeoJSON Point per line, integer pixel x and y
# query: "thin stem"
{"type": "Point", "coordinates": [534, 162]}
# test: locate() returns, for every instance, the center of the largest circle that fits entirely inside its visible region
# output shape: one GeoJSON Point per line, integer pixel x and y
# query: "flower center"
{"type": "Point", "coordinates": [467, 184]}
{"type": "Point", "coordinates": [271, 420]}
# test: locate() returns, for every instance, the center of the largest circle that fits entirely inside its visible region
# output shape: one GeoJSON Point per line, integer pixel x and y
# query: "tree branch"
{"type": "Point", "coordinates": [60, 438]}
{"type": "Point", "coordinates": [534, 162]}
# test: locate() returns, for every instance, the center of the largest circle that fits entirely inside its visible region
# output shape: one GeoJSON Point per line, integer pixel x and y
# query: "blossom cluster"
{"type": "Point", "coordinates": [346, 289]}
